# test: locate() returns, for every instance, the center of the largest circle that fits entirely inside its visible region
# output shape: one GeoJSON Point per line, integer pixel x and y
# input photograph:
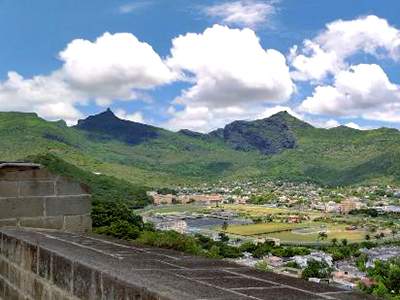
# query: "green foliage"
{"type": "Point", "coordinates": [104, 189]}
{"type": "Point", "coordinates": [120, 229]}
{"type": "Point", "coordinates": [317, 269]}
{"type": "Point", "coordinates": [171, 240]}
{"type": "Point", "coordinates": [334, 157]}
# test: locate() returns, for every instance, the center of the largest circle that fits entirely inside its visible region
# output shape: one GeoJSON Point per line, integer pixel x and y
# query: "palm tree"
{"type": "Point", "coordinates": [322, 235]}
{"type": "Point", "coordinates": [394, 232]}
{"type": "Point", "coordinates": [225, 226]}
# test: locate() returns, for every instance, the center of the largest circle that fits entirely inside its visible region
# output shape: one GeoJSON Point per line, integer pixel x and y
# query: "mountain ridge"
{"type": "Point", "coordinates": [336, 156]}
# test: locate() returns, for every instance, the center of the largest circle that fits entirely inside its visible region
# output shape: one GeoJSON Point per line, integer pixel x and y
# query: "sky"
{"type": "Point", "coordinates": [202, 64]}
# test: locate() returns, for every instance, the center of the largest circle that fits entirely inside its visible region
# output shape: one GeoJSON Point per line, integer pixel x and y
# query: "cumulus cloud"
{"type": "Point", "coordinates": [113, 67]}
{"type": "Point", "coordinates": [205, 119]}
{"type": "Point", "coordinates": [135, 117]}
{"type": "Point", "coordinates": [362, 91]}
{"type": "Point", "coordinates": [229, 67]}
{"type": "Point", "coordinates": [353, 125]}
{"type": "Point", "coordinates": [229, 70]}
{"type": "Point", "coordinates": [248, 13]}
{"type": "Point", "coordinates": [49, 96]}
{"type": "Point", "coordinates": [327, 53]}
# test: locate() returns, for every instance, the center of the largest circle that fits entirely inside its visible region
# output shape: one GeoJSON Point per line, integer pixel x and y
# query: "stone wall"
{"type": "Point", "coordinates": [37, 198]}
{"type": "Point", "coordinates": [32, 271]}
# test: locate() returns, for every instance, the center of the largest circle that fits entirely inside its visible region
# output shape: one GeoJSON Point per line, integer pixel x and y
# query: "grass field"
{"type": "Point", "coordinates": [300, 233]}
{"type": "Point", "coordinates": [255, 229]}
{"type": "Point", "coordinates": [258, 210]}
{"type": "Point", "coordinates": [175, 208]}
{"type": "Point", "coordinates": [287, 236]}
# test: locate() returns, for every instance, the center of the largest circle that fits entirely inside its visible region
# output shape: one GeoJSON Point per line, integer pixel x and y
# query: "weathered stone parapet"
{"type": "Point", "coordinates": [55, 265]}
{"type": "Point", "coordinates": [37, 198]}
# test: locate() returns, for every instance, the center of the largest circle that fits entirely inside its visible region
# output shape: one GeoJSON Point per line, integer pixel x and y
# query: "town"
{"type": "Point", "coordinates": [342, 230]}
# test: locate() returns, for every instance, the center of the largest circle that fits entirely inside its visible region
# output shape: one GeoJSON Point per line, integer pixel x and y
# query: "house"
{"type": "Point", "coordinates": [274, 261]}
{"type": "Point", "coordinates": [332, 207]}
{"type": "Point", "coordinates": [347, 205]}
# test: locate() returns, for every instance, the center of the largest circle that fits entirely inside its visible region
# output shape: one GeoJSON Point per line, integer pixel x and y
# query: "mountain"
{"type": "Point", "coordinates": [269, 135]}
{"type": "Point", "coordinates": [107, 126]}
{"type": "Point", "coordinates": [280, 147]}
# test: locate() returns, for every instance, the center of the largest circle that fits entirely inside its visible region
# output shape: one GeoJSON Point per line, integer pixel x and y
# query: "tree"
{"type": "Point", "coordinates": [367, 237]}
{"type": "Point", "coordinates": [334, 241]}
{"type": "Point", "coordinates": [394, 231]}
{"type": "Point", "coordinates": [344, 242]}
{"type": "Point", "coordinates": [317, 269]}
{"type": "Point", "coordinates": [322, 235]}
{"type": "Point", "coordinates": [225, 226]}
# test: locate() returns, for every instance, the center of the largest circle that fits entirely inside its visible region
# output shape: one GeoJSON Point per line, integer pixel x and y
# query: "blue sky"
{"type": "Point", "coordinates": [202, 64]}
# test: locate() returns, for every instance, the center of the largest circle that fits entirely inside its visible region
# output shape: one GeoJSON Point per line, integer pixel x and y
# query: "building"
{"type": "Point", "coordinates": [348, 205]}
{"type": "Point", "coordinates": [274, 261]}
{"type": "Point", "coordinates": [332, 207]}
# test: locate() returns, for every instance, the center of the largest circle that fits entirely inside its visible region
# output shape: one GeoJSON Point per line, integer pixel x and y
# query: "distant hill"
{"type": "Point", "coordinates": [280, 147]}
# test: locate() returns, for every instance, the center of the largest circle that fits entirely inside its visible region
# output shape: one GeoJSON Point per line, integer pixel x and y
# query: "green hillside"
{"type": "Point", "coordinates": [279, 147]}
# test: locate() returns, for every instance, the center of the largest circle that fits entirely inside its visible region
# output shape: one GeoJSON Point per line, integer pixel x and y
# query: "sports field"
{"type": "Point", "coordinates": [255, 229]}
{"type": "Point", "coordinates": [259, 210]}
{"type": "Point", "coordinates": [175, 208]}
{"type": "Point", "coordinates": [298, 232]}
{"type": "Point", "coordinates": [287, 236]}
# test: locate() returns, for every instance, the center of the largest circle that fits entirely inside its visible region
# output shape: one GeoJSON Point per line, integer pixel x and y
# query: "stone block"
{"type": "Point", "coordinates": [43, 222]}
{"type": "Point", "coordinates": [4, 268]}
{"type": "Point", "coordinates": [27, 282]}
{"type": "Point", "coordinates": [45, 264]}
{"type": "Point", "coordinates": [27, 175]}
{"type": "Point", "coordinates": [2, 286]}
{"type": "Point", "coordinates": [84, 286]}
{"type": "Point", "coordinates": [36, 188]}
{"type": "Point", "coordinates": [8, 247]}
{"type": "Point", "coordinates": [14, 275]}
{"type": "Point", "coordinates": [78, 205]}
{"type": "Point", "coordinates": [78, 223]}
{"type": "Point", "coordinates": [11, 293]}
{"type": "Point", "coordinates": [9, 222]}
{"type": "Point", "coordinates": [9, 188]}
{"type": "Point", "coordinates": [67, 187]}
{"type": "Point", "coordinates": [62, 273]}
{"type": "Point", "coordinates": [20, 207]}
{"type": "Point", "coordinates": [30, 258]}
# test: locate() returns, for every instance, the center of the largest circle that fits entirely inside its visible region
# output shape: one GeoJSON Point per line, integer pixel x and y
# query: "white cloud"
{"type": "Point", "coordinates": [135, 117]}
{"type": "Point", "coordinates": [353, 125]}
{"type": "Point", "coordinates": [49, 96]}
{"type": "Point", "coordinates": [133, 7]}
{"type": "Point", "coordinates": [229, 67]}
{"type": "Point", "coordinates": [327, 53]}
{"type": "Point", "coordinates": [248, 13]}
{"type": "Point", "coordinates": [113, 67]}
{"type": "Point", "coordinates": [229, 70]}
{"type": "Point", "coordinates": [322, 123]}
{"type": "Point", "coordinates": [204, 119]}
{"type": "Point", "coordinates": [362, 91]}
{"type": "Point", "coordinates": [267, 112]}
